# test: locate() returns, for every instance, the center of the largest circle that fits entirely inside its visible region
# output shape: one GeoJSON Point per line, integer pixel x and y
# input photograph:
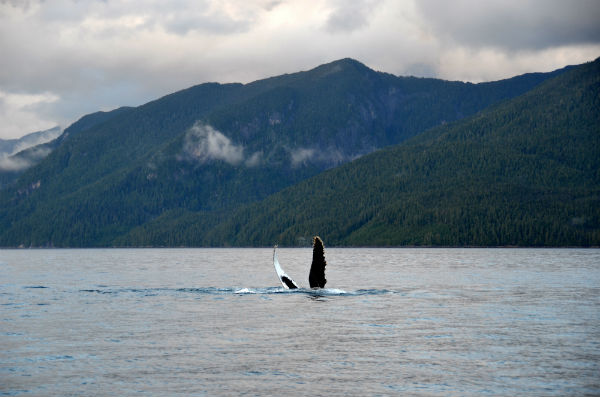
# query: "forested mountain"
{"type": "Point", "coordinates": [181, 165]}
{"type": "Point", "coordinates": [522, 173]}
{"type": "Point", "coordinates": [16, 155]}
{"type": "Point", "coordinates": [12, 146]}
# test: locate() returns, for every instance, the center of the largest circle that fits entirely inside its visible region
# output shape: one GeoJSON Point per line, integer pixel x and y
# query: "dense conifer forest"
{"type": "Point", "coordinates": [359, 157]}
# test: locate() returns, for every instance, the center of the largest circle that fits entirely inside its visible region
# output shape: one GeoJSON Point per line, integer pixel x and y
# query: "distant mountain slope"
{"type": "Point", "coordinates": [522, 173]}
{"type": "Point", "coordinates": [214, 147]}
{"type": "Point", "coordinates": [16, 155]}
{"type": "Point", "coordinates": [11, 146]}
{"type": "Point", "coordinates": [23, 153]}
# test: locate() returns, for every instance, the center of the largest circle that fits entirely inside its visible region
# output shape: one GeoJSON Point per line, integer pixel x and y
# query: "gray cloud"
{"type": "Point", "coordinates": [420, 69]}
{"type": "Point", "coordinates": [216, 23]}
{"type": "Point", "coordinates": [24, 4]}
{"type": "Point", "coordinates": [61, 59]}
{"type": "Point", "coordinates": [514, 24]}
{"type": "Point", "coordinates": [348, 16]}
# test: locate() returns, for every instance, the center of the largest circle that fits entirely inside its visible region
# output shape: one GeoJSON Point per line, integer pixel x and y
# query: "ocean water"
{"type": "Point", "coordinates": [216, 322]}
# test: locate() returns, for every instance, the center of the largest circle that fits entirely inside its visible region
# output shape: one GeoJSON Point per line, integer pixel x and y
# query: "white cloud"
{"type": "Point", "coordinates": [13, 164]}
{"type": "Point", "coordinates": [21, 114]}
{"type": "Point", "coordinates": [203, 143]}
{"type": "Point", "coordinates": [254, 160]}
{"type": "Point", "coordinates": [495, 65]}
{"type": "Point", "coordinates": [32, 140]}
{"type": "Point", "coordinates": [301, 156]}
{"type": "Point", "coordinates": [19, 163]}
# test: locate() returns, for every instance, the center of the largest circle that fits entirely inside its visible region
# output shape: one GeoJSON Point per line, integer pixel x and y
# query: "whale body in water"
{"type": "Point", "coordinates": [316, 276]}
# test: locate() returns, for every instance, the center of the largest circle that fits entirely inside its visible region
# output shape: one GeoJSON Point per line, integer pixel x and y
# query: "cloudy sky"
{"type": "Point", "coordinates": [61, 59]}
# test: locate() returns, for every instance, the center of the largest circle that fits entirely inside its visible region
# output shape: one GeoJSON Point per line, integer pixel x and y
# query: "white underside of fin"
{"type": "Point", "coordinates": [280, 273]}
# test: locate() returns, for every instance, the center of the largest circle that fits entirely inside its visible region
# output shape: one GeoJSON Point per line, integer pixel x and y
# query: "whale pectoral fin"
{"type": "Point", "coordinates": [286, 280]}
{"type": "Point", "coordinates": [316, 277]}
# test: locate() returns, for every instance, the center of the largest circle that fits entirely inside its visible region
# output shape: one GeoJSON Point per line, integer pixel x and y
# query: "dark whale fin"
{"type": "Point", "coordinates": [288, 282]}
{"type": "Point", "coordinates": [316, 277]}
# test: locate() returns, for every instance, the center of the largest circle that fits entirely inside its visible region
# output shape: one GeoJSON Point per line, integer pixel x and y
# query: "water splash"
{"type": "Point", "coordinates": [240, 291]}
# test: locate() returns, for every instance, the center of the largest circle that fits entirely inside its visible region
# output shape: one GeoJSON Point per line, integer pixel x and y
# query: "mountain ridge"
{"type": "Point", "coordinates": [556, 185]}
{"type": "Point", "coordinates": [214, 147]}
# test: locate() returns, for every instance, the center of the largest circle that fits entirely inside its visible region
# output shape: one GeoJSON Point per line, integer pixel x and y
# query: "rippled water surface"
{"type": "Point", "coordinates": [207, 322]}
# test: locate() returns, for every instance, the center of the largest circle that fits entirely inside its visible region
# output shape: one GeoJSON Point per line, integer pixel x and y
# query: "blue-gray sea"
{"type": "Point", "coordinates": [216, 322]}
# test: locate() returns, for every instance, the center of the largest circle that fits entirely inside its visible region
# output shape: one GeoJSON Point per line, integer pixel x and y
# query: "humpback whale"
{"type": "Point", "coordinates": [316, 276]}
